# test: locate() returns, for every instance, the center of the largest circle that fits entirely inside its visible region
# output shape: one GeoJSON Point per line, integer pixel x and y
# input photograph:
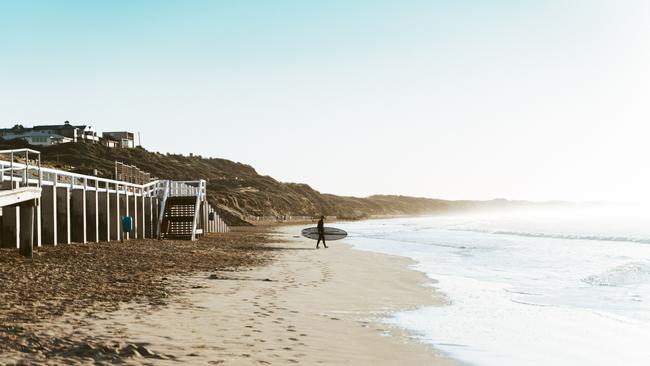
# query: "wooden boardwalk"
{"type": "Point", "coordinates": [77, 208]}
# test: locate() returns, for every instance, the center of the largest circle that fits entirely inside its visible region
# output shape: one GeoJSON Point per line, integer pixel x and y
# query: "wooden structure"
{"type": "Point", "coordinates": [70, 207]}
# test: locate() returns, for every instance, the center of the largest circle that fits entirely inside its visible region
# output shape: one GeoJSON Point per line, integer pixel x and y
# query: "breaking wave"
{"type": "Point", "coordinates": [632, 273]}
{"type": "Point", "coordinates": [560, 236]}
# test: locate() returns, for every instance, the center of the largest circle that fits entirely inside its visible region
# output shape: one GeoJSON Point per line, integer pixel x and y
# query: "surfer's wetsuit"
{"type": "Point", "coordinates": [321, 233]}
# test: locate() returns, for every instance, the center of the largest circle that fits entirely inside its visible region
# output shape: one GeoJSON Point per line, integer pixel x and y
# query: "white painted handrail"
{"type": "Point", "coordinates": [48, 175]}
{"type": "Point", "coordinates": [197, 207]}
{"type": "Point", "coordinates": [163, 206]}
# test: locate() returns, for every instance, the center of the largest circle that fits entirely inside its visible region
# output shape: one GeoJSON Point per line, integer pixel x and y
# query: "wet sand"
{"type": "Point", "coordinates": [307, 307]}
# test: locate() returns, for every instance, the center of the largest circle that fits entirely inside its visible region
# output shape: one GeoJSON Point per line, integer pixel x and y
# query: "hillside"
{"type": "Point", "coordinates": [237, 190]}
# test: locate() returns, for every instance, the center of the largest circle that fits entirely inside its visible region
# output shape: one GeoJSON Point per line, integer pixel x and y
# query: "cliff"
{"type": "Point", "coordinates": [237, 190]}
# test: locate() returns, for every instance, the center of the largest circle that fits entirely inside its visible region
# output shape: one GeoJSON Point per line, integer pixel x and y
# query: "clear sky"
{"type": "Point", "coordinates": [453, 99]}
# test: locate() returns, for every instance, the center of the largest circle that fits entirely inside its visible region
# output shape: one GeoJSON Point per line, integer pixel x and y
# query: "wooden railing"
{"type": "Point", "coordinates": [22, 167]}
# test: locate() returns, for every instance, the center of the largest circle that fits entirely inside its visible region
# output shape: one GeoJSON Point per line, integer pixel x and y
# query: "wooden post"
{"type": "Point", "coordinates": [143, 224]}
{"type": "Point", "coordinates": [127, 236]}
{"type": "Point", "coordinates": [134, 219]}
{"type": "Point", "coordinates": [37, 226]}
{"type": "Point", "coordinates": [69, 220]}
{"type": "Point", "coordinates": [108, 212]}
{"type": "Point", "coordinates": [54, 189]}
{"type": "Point", "coordinates": [96, 211]}
{"type": "Point", "coordinates": [118, 215]}
{"type": "Point", "coordinates": [79, 215]}
{"type": "Point", "coordinates": [48, 215]}
{"type": "Point", "coordinates": [92, 220]}
{"type": "Point", "coordinates": [63, 215]}
{"type": "Point", "coordinates": [103, 215]}
{"type": "Point", "coordinates": [11, 227]}
{"type": "Point", "coordinates": [26, 247]}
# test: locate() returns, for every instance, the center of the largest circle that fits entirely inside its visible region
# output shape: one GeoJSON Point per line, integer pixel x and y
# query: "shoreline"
{"type": "Point", "coordinates": [302, 307]}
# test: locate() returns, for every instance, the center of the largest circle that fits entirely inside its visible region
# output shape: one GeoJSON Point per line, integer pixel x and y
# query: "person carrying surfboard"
{"type": "Point", "coordinates": [321, 232]}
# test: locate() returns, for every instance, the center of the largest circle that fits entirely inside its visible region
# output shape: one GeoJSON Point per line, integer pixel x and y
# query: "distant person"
{"type": "Point", "coordinates": [321, 232]}
{"type": "Point", "coordinates": [127, 226]}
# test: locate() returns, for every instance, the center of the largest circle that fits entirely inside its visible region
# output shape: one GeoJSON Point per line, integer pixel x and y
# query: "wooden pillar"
{"type": "Point", "coordinates": [48, 215]}
{"type": "Point", "coordinates": [92, 219]}
{"type": "Point", "coordinates": [119, 206]}
{"type": "Point", "coordinates": [114, 215]}
{"type": "Point", "coordinates": [63, 215]}
{"type": "Point", "coordinates": [108, 211]}
{"type": "Point", "coordinates": [36, 230]}
{"type": "Point", "coordinates": [148, 218]}
{"type": "Point", "coordinates": [11, 227]}
{"type": "Point", "coordinates": [133, 209]}
{"type": "Point", "coordinates": [154, 216]}
{"type": "Point", "coordinates": [127, 207]}
{"type": "Point", "coordinates": [103, 216]}
{"type": "Point", "coordinates": [78, 215]}
{"type": "Point", "coordinates": [143, 225]}
{"type": "Point", "coordinates": [26, 234]}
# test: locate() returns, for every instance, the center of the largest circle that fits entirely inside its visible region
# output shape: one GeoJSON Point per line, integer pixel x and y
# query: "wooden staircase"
{"type": "Point", "coordinates": [179, 217]}
{"type": "Point", "coordinates": [181, 210]}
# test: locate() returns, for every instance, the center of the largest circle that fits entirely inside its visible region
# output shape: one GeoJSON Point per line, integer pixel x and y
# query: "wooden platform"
{"type": "Point", "coordinates": [14, 196]}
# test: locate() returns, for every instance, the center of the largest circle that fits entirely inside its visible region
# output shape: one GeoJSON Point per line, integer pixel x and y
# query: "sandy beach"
{"type": "Point", "coordinates": [304, 306]}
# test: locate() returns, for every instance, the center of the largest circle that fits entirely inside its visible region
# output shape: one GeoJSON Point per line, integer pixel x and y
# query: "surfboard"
{"type": "Point", "coordinates": [331, 233]}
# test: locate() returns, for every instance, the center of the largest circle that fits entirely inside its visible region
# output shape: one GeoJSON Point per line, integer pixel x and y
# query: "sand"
{"type": "Point", "coordinates": [307, 307]}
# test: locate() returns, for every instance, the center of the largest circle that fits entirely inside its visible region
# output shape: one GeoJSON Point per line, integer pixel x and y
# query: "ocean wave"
{"type": "Point", "coordinates": [559, 235]}
{"type": "Point", "coordinates": [632, 273]}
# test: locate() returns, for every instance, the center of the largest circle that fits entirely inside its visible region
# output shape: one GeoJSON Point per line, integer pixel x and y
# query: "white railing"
{"type": "Point", "coordinates": [179, 188]}
{"type": "Point", "coordinates": [214, 222]}
{"type": "Point", "coordinates": [37, 175]}
{"type": "Point", "coordinates": [23, 169]}
{"type": "Point", "coordinates": [163, 207]}
{"type": "Point", "coordinates": [200, 191]}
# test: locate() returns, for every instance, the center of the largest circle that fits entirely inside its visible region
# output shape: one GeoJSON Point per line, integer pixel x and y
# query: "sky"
{"type": "Point", "coordinates": [536, 100]}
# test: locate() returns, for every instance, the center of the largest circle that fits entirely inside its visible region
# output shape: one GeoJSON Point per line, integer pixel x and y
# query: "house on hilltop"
{"type": "Point", "coordinates": [109, 141]}
{"type": "Point", "coordinates": [51, 134]}
{"type": "Point", "coordinates": [37, 137]}
{"type": "Point", "coordinates": [126, 139]}
{"type": "Point", "coordinates": [67, 132]}
{"type": "Point", "coordinates": [78, 133]}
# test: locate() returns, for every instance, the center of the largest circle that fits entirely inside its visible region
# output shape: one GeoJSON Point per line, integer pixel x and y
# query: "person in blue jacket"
{"type": "Point", "coordinates": [127, 226]}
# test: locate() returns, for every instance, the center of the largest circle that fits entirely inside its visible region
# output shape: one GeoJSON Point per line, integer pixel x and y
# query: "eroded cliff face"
{"type": "Point", "coordinates": [236, 189]}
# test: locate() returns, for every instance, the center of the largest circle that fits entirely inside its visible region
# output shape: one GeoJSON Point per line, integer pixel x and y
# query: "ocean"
{"type": "Point", "coordinates": [555, 288]}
